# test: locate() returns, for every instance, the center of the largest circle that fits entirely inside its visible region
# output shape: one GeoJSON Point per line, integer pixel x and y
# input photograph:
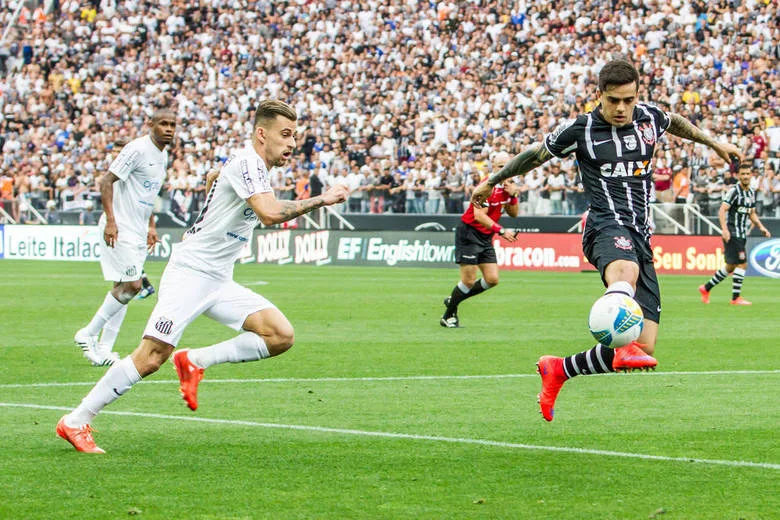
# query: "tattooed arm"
{"type": "Point", "coordinates": [522, 163]}
{"type": "Point", "coordinates": [681, 127]}
{"type": "Point", "coordinates": [271, 211]}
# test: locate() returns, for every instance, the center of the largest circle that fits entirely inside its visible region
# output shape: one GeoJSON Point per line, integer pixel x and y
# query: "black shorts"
{"type": "Point", "coordinates": [606, 245]}
{"type": "Point", "coordinates": [734, 251]}
{"type": "Point", "coordinates": [473, 247]}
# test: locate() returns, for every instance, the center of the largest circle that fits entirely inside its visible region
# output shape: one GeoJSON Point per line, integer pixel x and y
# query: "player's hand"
{"type": "Point", "coordinates": [481, 194]}
{"type": "Point", "coordinates": [509, 235]}
{"type": "Point", "coordinates": [110, 234]}
{"type": "Point", "coordinates": [729, 153]}
{"type": "Point", "coordinates": [151, 239]}
{"type": "Point", "coordinates": [336, 194]}
{"type": "Point", "coordinates": [726, 234]}
{"type": "Point", "coordinates": [765, 232]}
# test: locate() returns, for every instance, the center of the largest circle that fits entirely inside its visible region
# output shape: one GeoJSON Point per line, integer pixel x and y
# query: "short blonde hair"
{"type": "Point", "coordinates": [269, 109]}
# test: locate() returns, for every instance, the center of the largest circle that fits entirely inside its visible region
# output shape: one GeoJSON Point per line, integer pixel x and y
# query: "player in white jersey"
{"type": "Point", "coordinates": [198, 278]}
{"type": "Point", "coordinates": [128, 192]}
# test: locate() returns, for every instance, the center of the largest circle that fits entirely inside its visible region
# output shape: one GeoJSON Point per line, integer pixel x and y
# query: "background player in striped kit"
{"type": "Point", "coordinates": [736, 213]}
{"type": "Point", "coordinates": [614, 146]}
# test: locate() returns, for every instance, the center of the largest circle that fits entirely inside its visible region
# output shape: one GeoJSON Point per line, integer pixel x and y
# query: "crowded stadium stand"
{"type": "Point", "coordinates": [402, 100]}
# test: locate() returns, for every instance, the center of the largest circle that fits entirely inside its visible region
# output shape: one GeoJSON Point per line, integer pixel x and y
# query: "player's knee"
{"type": "Point", "coordinates": [491, 280]}
{"type": "Point", "coordinates": [150, 355]}
{"type": "Point", "coordinates": [149, 361]}
{"type": "Point", "coordinates": [126, 291]}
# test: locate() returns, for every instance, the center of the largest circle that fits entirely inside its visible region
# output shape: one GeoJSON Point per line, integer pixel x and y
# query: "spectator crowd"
{"type": "Point", "coordinates": [405, 101]}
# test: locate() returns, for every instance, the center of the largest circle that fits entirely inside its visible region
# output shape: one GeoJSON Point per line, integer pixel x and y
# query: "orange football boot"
{"type": "Point", "coordinates": [189, 377]}
{"type": "Point", "coordinates": [80, 437]}
{"type": "Point", "coordinates": [705, 294]}
{"type": "Point", "coordinates": [553, 377]}
{"type": "Point", "coordinates": [632, 357]}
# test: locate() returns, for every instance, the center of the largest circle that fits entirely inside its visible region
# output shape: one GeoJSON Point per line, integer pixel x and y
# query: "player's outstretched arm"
{"type": "Point", "coordinates": [681, 127]}
{"type": "Point", "coordinates": [522, 163]}
{"type": "Point", "coordinates": [272, 211]}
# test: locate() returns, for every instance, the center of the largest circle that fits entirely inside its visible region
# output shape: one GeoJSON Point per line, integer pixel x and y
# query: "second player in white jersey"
{"type": "Point", "coordinates": [128, 192]}
{"type": "Point", "coordinates": [214, 242]}
{"type": "Point", "coordinates": [141, 167]}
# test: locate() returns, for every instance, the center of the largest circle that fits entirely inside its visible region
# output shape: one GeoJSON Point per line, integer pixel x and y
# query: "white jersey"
{"type": "Point", "coordinates": [214, 242]}
{"type": "Point", "coordinates": [140, 167]}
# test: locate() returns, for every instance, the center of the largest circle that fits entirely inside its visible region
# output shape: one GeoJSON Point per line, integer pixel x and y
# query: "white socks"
{"type": "Point", "coordinates": [106, 311]}
{"type": "Point", "coordinates": [111, 330]}
{"type": "Point", "coordinates": [620, 287]}
{"type": "Point", "coordinates": [116, 381]}
{"type": "Point", "coordinates": [247, 346]}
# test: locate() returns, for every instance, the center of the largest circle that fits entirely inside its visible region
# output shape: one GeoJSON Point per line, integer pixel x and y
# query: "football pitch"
{"type": "Point", "coordinates": [377, 412]}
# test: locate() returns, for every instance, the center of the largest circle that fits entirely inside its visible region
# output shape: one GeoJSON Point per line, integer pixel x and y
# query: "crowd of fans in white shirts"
{"type": "Point", "coordinates": [405, 101]}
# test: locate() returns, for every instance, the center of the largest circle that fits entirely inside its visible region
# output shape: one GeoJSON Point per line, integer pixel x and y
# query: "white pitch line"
{"type": "Point", "coordinates": [416, 437]}
{"type": "Point", "coordinates": [393, 378]}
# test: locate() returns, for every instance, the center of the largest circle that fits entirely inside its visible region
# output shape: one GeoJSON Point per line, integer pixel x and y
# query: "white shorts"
{"type": "Point", "coordinates": [122, 263]}
{"type": "Point", "coordinates": [184, 295]}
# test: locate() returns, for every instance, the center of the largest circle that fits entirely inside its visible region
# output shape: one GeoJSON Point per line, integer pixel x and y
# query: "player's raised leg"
{"type": "Point", "coordinates": [555, 371]}
{"type": "Point", "coordinates": [264, 332]}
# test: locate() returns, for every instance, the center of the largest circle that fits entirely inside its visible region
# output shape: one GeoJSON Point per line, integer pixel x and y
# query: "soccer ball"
{"type": "Point", "coordinates": [615, 320]}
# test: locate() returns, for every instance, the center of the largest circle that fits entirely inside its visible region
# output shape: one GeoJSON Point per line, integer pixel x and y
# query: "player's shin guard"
{"type": "Point", "coordinates": [459, 293]}
{"type": "Point", "coordinates": [479, 287]}
{"type": "Point", "coordinates": [106, 311]}
{"type": "Point", "coordinates": [115, 382]}
{"type": "Point", "coordinates": [597, 360]}
{"type": "Point", "coordinates": [247, 346]}
{"type": "Point", "coordinates": [718, 277]}
{"type": "Point", "coordinates": [738, 278]}
{"type": "Point", "coordinates": [111, 331]}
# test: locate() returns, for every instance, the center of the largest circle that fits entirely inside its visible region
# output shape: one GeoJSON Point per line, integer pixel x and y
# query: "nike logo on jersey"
{"type": "Point", "coordinates": [597, 143]}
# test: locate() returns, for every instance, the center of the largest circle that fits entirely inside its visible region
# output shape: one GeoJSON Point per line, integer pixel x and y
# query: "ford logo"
{"type": "Point", "coordinates": [765, 258]}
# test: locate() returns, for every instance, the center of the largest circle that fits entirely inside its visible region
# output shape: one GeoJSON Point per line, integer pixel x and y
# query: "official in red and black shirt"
{"type": "Point", "coordinates": [474, 250]}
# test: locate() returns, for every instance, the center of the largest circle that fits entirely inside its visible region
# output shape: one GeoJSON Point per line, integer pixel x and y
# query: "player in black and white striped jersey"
{"type": "Point", "coordinates": [614, 145]}
{"type": "Point", "coordinates": [736, 214]}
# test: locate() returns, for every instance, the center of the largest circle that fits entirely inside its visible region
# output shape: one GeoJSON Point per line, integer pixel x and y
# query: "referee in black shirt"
{"type": "Point", "coordinates": [736, 213]}
{"type": "Point", "coordinates": [614, 147]}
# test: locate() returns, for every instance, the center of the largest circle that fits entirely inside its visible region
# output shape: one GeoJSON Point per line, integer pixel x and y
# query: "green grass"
{"type": "Point", "coordinates": [462, 447]}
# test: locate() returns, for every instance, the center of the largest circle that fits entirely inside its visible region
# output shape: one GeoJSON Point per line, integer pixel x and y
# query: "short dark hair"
{"type": "Point", "coordinates": [618, 72]}
{"type": "Point", "coordinates": [269, 109]}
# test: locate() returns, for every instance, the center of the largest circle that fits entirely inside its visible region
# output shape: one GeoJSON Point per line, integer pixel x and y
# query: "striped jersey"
{"type": "Point", "coordinates": [741, 203]}
{"type": "Point", "coordinates": [614, 163]}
